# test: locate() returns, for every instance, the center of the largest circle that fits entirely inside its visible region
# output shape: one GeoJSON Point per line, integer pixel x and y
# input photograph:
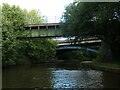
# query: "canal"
{"type": "Point", "coordinates": [57, 76]}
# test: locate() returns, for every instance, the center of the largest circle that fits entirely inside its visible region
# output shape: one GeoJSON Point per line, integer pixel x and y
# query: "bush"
{"type": "Point", "coordinates": [16, 51]}
{"type": "Point", "coordinates": [40, 50]}
{"type": "Point", "coordinates": [78, 55]}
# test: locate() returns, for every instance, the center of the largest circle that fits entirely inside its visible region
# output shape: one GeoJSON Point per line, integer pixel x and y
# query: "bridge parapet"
{"type": "Point", "coordinates": [45, 29]}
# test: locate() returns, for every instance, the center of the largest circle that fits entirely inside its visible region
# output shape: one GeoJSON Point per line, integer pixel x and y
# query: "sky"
{"type": "Point", "coordinates": [52, 9]}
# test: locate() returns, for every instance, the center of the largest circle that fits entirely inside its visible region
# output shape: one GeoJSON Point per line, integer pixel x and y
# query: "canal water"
{"type": "Point", "coordinates": [57, 76]}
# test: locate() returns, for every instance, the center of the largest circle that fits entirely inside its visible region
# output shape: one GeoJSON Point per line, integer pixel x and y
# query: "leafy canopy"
{"type": "Point", "coordinates": [94, 19]}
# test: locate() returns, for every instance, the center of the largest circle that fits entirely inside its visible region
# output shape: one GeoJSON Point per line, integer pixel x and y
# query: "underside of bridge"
{"type": "Point", "coordinates": [42, 26]}
{"type": "Point", "coordinates": [65, 49]}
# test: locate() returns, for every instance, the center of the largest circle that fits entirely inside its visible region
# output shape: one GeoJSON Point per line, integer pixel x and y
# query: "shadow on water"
{"type": "Point", "coordinates": [57, 76]}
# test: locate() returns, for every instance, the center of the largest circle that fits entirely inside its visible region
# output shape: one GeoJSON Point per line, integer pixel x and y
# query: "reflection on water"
{"type": "Point", "coordinates": [77, 79]}
{"type": "Point", "coordinates": [52, 76]}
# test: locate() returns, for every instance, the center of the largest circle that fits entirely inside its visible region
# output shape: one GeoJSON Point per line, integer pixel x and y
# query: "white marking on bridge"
{"type": "Point", "coordinates": [82, 42]}
{"type": "Point", "coordinates": [77, 47]}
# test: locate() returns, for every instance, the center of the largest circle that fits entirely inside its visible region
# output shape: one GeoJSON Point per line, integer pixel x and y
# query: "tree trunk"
{"type": "Point", "coordinates": [115, 48]}
{"type": "Point", "coordinates": [106, 52]}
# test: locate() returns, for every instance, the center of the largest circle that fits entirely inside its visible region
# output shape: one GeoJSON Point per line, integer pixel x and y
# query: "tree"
{"type": "Point", "coordinates": [14, 51]}
{"type": "Point", "coordinates": [33, 17]}
{"type": "Point", "coordinates": [0, 25]}
{"type": "Point", "coordinates": [12, 24]}
{"type": "Point", "coordinates": [100, 20]}
{"type": "Point", "coordinates": [0, 35]}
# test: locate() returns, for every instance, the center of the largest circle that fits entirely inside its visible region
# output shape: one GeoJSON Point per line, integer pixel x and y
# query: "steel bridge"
{"type": "Point", "coordinates": [53, 30]}
{"type": "Point", "coordinates": [45, 29]}
{"type": "Point", "coordinates": [63, 49]}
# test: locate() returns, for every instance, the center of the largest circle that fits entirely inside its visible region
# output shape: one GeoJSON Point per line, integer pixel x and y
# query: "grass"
{"type": "Point", "coordinates": [112, 67]}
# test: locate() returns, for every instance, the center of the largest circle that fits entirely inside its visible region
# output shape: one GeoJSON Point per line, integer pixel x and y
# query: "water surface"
{"type": "Point", "coordinates": [57, 76]}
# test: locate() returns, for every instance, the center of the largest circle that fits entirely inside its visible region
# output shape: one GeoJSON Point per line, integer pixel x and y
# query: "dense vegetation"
{"type": "Point", "coordinates": [77, 55]}
{"type": "Point", "coordinates": [15, 51]}
{"type": "Point", "coordinates": [33, 17]}
{"type": "Point", "coordinates": [101, 20]}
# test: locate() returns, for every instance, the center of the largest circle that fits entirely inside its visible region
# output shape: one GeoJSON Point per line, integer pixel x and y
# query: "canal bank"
{"type": "Point", "coordinates": [102, 66]}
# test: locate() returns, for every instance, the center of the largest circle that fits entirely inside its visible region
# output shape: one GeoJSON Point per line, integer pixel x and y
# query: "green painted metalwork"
{"type": "Point", "coordinates": [44, 32]}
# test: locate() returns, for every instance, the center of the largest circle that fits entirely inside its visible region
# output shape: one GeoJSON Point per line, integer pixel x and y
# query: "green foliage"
{"type": "Point", "coordinates": [79, 19]}
{"type": "Point", "coordinates": [79, 55]}
{"type": "Point", "coordinates": [12, 23]}
{"type": "Point", "coordinates": [16, 51]}
{"type": "Point", "coordinates": [33, 17]}
{"type": "Point", "coordinates": [97, 19]}
{"type": "Point", "coordinates": [40, 50]}
{"type": "Point", "coordinates": [0, 27]}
